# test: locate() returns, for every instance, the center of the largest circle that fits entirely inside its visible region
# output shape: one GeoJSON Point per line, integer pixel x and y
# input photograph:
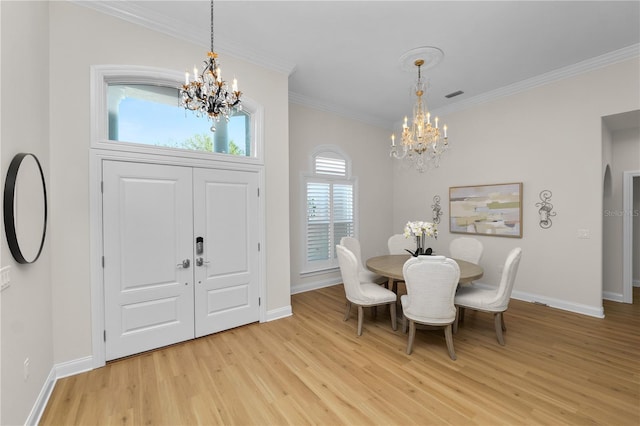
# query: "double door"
{"type": "Point", "coordinates": [180, 253]}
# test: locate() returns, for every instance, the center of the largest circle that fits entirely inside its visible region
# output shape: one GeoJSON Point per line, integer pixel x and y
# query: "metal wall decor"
{"type": "Point", "coordinates": [545, 210]}
{"type": "Point", "coordinates": [437, 210]}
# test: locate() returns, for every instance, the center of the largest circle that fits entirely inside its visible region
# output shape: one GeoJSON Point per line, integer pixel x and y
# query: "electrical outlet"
{"type": "Point", "coordinates": [26, 369]}
{"type": "Point", "coordinates": [5, 278]}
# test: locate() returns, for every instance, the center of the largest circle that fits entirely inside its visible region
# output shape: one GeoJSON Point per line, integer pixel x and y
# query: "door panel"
{"type": "Point", "coordinates": [148, 228]}
{"type": "Point", "coordinates": [225, 215]}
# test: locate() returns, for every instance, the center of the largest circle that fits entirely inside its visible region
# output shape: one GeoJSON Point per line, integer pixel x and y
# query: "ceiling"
{"type": "Point", "coordinates": [344, 56]}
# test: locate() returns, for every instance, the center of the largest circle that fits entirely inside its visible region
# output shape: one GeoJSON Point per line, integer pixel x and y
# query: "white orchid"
{"type": "Point", "coordinates": [419, 228]}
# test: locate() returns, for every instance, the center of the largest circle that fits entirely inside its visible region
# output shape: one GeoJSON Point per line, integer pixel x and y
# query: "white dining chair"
{"type": "Point", "coordinates": [494, 300]}
{"type": "Point", "coordinates": [466, 248]}
{"type": "Point", "coordinates": [364, 274]}
{"type": "Point", "coordinates": [399, 244]}
{"type": "Point", "coordinates": [431, 286]}
{"type": "Point", "coordinates": [362, 294]}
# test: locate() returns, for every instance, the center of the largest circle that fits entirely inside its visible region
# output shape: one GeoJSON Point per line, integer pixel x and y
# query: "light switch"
{"type": "Point", "coordinates": [584, 234]}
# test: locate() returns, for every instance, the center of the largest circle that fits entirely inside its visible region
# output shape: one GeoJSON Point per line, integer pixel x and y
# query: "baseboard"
{"type": "Point", "coordinates": [301, 288]}
{"type": "Point", "coordinates": [42, 400]}
{"type": "Point", "coordinates": [58, 371]}
{"type": "Point", "coordinates": [76, 366]}
{"type": "Point", "coordinates": [614, 297]}
{"type": "Point", "coordinates": [279, 313]}
{"type": "Point", "coordinates": [636, 283]}
{"type": "Point", "coordinates": [592, 311]}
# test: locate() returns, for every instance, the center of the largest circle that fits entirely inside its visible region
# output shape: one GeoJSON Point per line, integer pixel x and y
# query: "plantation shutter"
{"type": "Point", "coordinates": [318, 221]}
{"type": "Point", "coordinates": [330, 213]}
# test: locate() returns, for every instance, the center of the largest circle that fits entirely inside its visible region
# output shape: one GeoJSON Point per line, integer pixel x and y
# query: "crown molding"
{"type": "Point", "coordinates": [582, 67]}
{"type": "Point", "coordinates": [136, 14]}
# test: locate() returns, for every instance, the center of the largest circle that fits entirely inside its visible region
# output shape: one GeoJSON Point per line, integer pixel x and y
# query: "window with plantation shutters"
{"type": "Point", "coordinates": [330, 212]}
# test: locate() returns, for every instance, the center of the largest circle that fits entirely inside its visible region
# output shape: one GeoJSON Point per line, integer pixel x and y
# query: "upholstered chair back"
{"type": "Point", "coordinates": [398, 243]}
{"type": "Point", "coordinates": [349, 270]}
{"type": "Point", "coordinates": [466, 248]}
{"type": "Point", "coordinates": [431, 286]}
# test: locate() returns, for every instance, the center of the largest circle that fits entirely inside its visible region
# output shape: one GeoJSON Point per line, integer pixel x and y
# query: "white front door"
{"type": "Point", "coordinates": [160, 285]}
{"type": "Point", "coordinates": [225, 219]}
{"type": "Point", "coordinates": [148, 229]}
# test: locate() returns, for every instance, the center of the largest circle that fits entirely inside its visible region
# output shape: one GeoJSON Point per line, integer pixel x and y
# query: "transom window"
{"type": "Point", "coordinates": [330, 209]}
{"type": "Point", "coordinates": [150, 115]}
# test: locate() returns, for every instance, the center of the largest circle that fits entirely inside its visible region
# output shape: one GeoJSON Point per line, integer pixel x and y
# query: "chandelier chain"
{"type": "Point", "coordinates": [212, 26]}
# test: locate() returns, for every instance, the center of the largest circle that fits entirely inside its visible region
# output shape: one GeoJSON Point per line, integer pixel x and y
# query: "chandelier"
{"type": "Point", "coordinates": [208, 94]}
{"type": "Point", "coordinates": [422, 143]}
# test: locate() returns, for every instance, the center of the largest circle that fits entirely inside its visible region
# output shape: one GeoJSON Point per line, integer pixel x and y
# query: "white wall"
{"type": "Point", "coordinates": [366, 146]}
{"type": "Point", "coordinates": [80, 38]}
{"type": "Point", "coordinates": [26, 304]}
{"type": "Point", "coordinates": [635, 276]}
{"type": "Point", "coordinates": [625, 157]}
{"type": "Point", "coordinates": [548, 137]}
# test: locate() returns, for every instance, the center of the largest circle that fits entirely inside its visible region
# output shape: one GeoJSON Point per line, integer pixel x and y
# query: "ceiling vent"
{"type": "Point", "coordinates": [454, 94]}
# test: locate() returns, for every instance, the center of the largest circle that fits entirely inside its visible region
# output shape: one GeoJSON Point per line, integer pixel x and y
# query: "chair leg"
{"type": "Point", "coordinates": [455, 321]}
{"type": "Point", "coordinates": [404, 323]}
{"type": "Point", "coordinates": [504, 326]}
{"type": "Point", "coordinates": [449, 338]}
{"type": "Point", "coordinates": [497, 319]}
{"type": "Point", "coordinates": [395, 287]}
{"type": "Point", "coordinates": [389, 283]}
{"type": "Point", "coordinates": [412, 335]}
{"type": "Point", "coordinates": [360, 319]}
{"type": "Point", "coordinates": [374, 311]}
{"type": "Point", "coordinates": [461, 315]}
{"type": "Point", "coordinates": [392, 309]}
{"type": "Point", "coordinates": [348, 311]}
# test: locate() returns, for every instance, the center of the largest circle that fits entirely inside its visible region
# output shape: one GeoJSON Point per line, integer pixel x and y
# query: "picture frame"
{"type": "Point", "coordinates": [493, 210]}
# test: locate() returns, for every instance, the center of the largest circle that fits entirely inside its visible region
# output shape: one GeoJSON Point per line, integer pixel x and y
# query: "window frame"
{"type": "Point", "coordinates": [327, 265]}
{"type": "Point", "coordinates": [103, 75]}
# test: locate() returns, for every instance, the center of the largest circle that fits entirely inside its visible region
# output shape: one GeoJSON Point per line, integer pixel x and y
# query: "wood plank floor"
{"type": "Point", "coordinates": [556, 368]}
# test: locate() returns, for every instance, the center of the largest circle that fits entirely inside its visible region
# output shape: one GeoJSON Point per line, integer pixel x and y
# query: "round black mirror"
{"type": "Point", "coordinates": [25, 208]}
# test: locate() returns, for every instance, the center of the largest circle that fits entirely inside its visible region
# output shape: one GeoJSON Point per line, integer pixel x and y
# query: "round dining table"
{"type": "Point", "coordinates": [390, 266]}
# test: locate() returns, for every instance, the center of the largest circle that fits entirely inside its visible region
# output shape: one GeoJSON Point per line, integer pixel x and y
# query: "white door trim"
{"type": "Point", "coordinates": [96, 156]}
{"type": "Point", "coordinates": [627, 235]}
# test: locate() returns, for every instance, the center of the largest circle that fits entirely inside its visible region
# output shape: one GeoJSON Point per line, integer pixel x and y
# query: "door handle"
{"type": "Point", "coordinates": [185, 264]}
{"type": "Point", "coordinates": [200, 261]}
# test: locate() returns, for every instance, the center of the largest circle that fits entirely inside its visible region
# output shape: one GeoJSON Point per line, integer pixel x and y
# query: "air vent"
{"type": "Point", "coordinates": [451, 95]}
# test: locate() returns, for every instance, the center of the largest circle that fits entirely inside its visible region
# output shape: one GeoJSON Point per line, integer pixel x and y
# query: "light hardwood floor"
{"type": "Point", "coordinates": [556, 368]}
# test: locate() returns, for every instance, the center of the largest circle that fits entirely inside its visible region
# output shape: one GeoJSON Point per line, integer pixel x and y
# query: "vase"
{"type": "Point", "coordinates": [420, 248]}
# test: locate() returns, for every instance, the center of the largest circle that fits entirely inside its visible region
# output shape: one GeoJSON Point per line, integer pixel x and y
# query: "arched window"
{"type": "Point", "coordinates": [330, 207]}
{"type": "Point", "coordinates": [136, 108]}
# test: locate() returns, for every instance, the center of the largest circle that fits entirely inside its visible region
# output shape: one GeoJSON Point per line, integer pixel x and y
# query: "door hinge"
{"type": "Point", "coordinates": [103, 261]}
{"type": "Point", "coordinates": [104, 335]}
{"type": "Point", "coordinates": [258, 246]}
{"type": "Point", "coordinates": [259, 301]}
{"type": "Point", "coordinates": [258, 192]}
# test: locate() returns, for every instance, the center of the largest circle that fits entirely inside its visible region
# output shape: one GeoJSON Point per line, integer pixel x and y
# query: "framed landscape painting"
{"type": "Point", "coordinates": [486, 210]}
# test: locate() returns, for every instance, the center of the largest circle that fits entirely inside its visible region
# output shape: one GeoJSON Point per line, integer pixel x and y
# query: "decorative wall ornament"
{"type": "Point", "coordinates": [545, 210]}
{"type": "Point", "coordinates": [437, 210]}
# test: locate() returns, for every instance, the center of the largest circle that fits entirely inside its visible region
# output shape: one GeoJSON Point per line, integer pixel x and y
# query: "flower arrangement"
{"type": "Point", "coordinates": [420, 230]}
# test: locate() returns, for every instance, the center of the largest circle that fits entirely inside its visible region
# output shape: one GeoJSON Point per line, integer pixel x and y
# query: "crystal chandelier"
{"type": "Point", "coordinates": [422, 143]}
{"type": "Point", "coordinates": [208, 94]}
